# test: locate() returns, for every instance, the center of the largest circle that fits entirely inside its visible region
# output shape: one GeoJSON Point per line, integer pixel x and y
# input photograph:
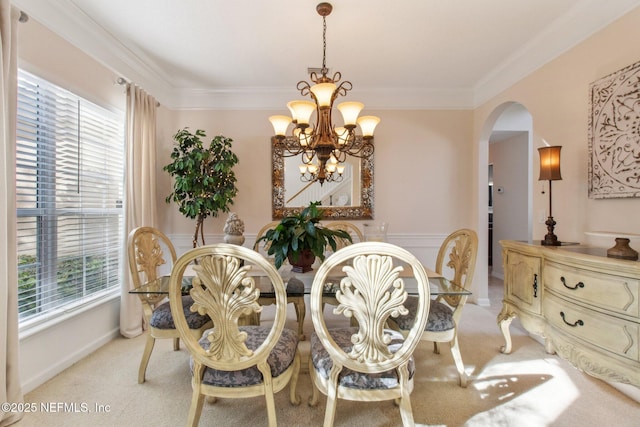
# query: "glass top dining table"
{"type": "Point", "coordinates": [438, 285]}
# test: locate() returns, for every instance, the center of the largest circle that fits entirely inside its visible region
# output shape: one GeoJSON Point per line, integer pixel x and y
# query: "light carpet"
{"type": "Point", "coordinates": [525, 388]}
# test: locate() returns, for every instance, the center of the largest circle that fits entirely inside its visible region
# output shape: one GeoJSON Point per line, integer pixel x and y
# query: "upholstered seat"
{"type": "Point", "coordinates": [231, 360]}
{"type": "Point", "coordinates": [353, 379]}
{"type": "Point", "coordinates": [162, 318]}
{"type": "Point", "coordinates": [366, 362]}
{"type": "Point", "coordinates": [440, 316]}
{"type": "Point", "coordinates": [146, 252]}
{"type": "Point", "coordinates": [280, 359]}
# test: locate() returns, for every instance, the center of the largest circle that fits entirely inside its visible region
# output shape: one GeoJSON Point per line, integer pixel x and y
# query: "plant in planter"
{"type": "Point", "coordinates": [300, 238]}
{"type": "Point", "coordinates": [205, 183]}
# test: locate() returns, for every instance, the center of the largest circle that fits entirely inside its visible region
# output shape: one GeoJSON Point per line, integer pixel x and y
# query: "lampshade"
{"type": "Point", "coordinates": [368, 124]}
{"type": "Point", "coordinates": [280, 124]}
{"type": "Point", "coordinates": [550, 163]}
{"type": "Point", "coordinates": [323, 93]}
{"type": "Point", "coordinates": [301, 111]}
{"type": "Point", "coordinates": [350, 111]}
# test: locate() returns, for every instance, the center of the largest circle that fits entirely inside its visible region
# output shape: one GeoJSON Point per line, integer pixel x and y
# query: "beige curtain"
{"type": "Point", "coordinates": [140, 187]}
{"type": "Point", "coordinates": [10, 390]}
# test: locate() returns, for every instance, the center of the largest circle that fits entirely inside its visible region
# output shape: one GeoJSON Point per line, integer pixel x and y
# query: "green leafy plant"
{"type": "Point", "coordinates": [205, 183]}
{"type": "Point", "coordinates": [299, 232]}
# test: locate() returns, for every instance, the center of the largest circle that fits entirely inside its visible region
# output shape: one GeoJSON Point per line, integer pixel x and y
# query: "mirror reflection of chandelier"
{"type": "Point", "coordinates": [323, 146]}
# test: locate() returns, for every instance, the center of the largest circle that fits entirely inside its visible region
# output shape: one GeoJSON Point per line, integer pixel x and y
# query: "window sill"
{"type": "Point", "coordinates": [34, 326]}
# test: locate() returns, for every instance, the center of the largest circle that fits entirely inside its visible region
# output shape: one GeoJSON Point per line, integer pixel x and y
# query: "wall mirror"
{"type": "Point", "coordinates": [352, 198]}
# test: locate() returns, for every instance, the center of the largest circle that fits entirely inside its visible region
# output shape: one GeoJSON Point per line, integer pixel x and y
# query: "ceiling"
{"type": "Point", "coordinates": [247, 54]}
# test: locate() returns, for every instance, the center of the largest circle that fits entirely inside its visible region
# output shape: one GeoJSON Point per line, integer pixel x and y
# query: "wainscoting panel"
{"type": "Point", "coordinates": [423, 246]}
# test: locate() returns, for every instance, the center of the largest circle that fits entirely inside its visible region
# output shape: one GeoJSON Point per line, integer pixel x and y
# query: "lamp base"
{"type": "Point", "coordinates": [550, 242]}
{"type": "Point", "coordinates": [550, 239]}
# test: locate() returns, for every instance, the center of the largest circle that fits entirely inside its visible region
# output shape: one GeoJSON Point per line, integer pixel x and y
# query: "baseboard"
{"type": "Point", "coordinates": [483, 302]}
{"type": "Point", "coordinates": [29, 384]}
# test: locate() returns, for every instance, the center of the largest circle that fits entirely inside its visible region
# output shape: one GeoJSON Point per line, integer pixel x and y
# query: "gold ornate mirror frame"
{"type": "Point", "coordinates": [279, 210]}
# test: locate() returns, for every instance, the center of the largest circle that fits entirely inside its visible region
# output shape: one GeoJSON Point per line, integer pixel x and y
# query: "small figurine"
{"type": "Point", "coordinates": [233, 229]}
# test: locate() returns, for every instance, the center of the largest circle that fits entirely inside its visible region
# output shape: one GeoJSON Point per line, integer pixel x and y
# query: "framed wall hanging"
{"type": "Point", "coordinates": [614, 135]}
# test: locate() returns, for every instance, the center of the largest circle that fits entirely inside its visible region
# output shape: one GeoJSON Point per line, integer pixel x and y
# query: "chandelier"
{"type": "Point", "coordinates": [322, 146]}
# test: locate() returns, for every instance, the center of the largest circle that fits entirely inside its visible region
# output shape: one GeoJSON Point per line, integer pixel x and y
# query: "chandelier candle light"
{"type": "Point", "coordinates": [550, 170]}
{"type": "Point", "coordinates": [324, 147]}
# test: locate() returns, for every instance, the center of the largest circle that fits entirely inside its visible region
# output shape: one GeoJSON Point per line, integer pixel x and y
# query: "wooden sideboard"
{"type": "Point", "coordinates": [584, 304]}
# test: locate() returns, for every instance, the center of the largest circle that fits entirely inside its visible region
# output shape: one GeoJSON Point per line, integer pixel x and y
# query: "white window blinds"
{"type": "Point", "coordinates": [69, 189]}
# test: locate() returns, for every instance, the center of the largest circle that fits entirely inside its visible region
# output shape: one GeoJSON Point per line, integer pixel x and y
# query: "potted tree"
{"type": "Point", "coordinates": [205, 183]}
{"type": "Point", "coordinates": [300, 238]}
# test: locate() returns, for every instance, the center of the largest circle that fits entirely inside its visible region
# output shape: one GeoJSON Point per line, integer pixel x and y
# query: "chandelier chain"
{"type": "Point", "coordinates": [324, 45]}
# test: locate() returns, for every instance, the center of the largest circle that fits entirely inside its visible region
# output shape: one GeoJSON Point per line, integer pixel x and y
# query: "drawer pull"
{"type": "Point", "coordinates": [535, 286]}
{"type": "Point", "coordinates": [578, 285]}
{"type": "Point", "coordinates": [573, 325]}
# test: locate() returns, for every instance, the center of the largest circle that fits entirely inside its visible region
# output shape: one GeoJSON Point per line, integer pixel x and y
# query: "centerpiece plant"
{"type": "Point", "coordinates": [300, 238]}
{"type": "Point", "coordinates": [205, 183]}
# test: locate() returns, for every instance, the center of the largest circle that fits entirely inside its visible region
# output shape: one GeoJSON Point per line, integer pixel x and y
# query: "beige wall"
{"type": "Point", "coordinates": [422, 168]}
{"type": "Point", "coordinates": [557, 96]}
{"type": "Point", "coordinates": [46, 55]}
{"type": "Point", "coordinates": [430, 166]}
{"type": "Point", "coordinates": [84, 329]}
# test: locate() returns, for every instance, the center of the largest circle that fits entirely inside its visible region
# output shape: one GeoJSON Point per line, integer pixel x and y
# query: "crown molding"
{"type": "Point", "coordinates": [582, 21]}
{"type": "Point", "coordinates": [65, 19]}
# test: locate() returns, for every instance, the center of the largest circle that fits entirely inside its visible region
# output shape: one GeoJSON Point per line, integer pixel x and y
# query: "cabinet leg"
{"type": "Point", "coordinates": [504, 322]}
{"type": "Point", "coordinates": [548, 346]}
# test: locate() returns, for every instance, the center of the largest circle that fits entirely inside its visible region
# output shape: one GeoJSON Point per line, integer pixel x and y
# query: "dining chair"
{"type": "Point", "coordinates": [231, 360]}
{"type": "Point", "coordinates": [349, 227]}
{"type": "Point", "coordinates": [146, 255]}
{"type": "Point", "coordinates": [295, 287]}
{"type": "Point", "coordinates": [356, 236]}
{"type": "Point", "coordinates": [366, 362]}
{"type": "Point", "coordinates": [456, 261]}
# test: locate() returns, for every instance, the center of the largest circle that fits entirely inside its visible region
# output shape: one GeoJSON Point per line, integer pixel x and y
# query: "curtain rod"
{"type": "Point", "coordinates": [123, 82]}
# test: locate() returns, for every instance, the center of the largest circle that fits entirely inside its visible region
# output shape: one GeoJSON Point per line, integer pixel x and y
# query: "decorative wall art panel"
{"type": "Point", "coordinates": [614, 135]}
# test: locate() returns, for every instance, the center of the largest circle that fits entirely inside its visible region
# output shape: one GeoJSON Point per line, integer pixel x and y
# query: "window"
{"type": "Point", "coordinates": [69, 189]}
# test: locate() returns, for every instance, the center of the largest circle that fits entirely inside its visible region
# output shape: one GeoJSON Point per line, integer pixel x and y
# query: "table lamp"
{"type": "Point", "coordinates": [550, 170]}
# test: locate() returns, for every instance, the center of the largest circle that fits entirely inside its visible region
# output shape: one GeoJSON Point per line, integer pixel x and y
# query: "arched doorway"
{"type": "Point", "coordinates": [506, 144]}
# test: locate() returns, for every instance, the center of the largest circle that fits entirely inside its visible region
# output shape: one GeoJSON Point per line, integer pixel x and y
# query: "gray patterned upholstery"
{"type": "Point", "coordinates": [162, 318]}
{"type": "Point", "coordinates": [348, 378]}
{"type": "Point", "coordinates": [280, 358]}
{"type": "Point", "coordinates": [295, 286]}
{"type": "Point", "coordinates": [440, 316]}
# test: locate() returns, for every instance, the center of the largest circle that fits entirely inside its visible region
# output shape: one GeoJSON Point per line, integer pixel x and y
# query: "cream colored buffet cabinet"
{"type": "Point", "coordinates": [584, 304]}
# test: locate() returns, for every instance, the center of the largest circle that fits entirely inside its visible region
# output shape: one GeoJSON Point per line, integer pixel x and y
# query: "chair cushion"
{"type": "Point", "coordinates": [440, 316]}
{"type": "Point", "coordinates": [162, 318]}
{"type": "Point", "coordinates": [280, 358]}
{"type": "Point", "coordinates": [295, 286]}
{"type": "Point", "coordinates": [349, 378]}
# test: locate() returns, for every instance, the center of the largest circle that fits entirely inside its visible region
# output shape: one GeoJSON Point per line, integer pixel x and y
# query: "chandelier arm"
{"type": "Point", "coordinates": [344, 87]}
{"type": "Point", "coordinates": [341, 156]}
{"type": "Point", "coordinates": [365, 150]}
{"type": "Point", "coordinates": [290, 147]}
{"type": "Point", "coordinates": [304, 87]}
{"type": "Point", "coordinates": [307, 158]}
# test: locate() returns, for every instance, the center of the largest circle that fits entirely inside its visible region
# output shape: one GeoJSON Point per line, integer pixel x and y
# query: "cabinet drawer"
{"type": "Point", "coordinates": [610, 333]}
{"type": "Point", "coordinates": [608, 292]}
